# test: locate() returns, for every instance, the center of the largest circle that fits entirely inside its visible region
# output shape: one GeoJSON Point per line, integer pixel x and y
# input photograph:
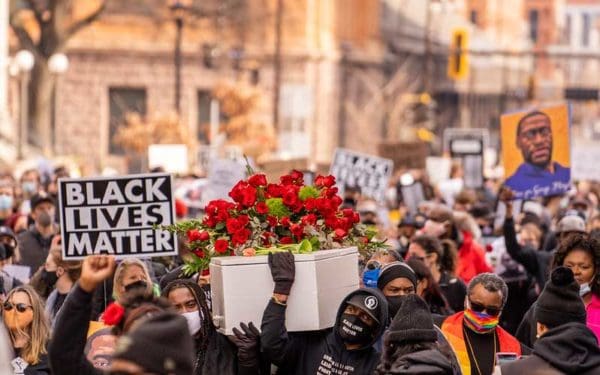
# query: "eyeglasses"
{"type": "Point", "coordinates": [478, 307]}
{"type": "Point", "coordinates": [21, 307]}
{"type": "Point", "coordinates": [530, 134]}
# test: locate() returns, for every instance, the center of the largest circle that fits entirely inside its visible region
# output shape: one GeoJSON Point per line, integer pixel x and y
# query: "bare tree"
{"type": "Point", "coordinates": [44, 27]}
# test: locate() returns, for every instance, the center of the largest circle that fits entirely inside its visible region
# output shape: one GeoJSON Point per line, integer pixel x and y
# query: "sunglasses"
{"type": "Point", "coordinates": [21, 307]}
{"type": "Point", "coordinates": [477, 307]}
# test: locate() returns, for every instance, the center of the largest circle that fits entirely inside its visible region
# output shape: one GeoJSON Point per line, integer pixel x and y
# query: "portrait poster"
{"type": "Point", "coordinates": [536, 151]}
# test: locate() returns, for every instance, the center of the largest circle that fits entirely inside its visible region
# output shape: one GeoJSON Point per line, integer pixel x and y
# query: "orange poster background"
{"type": "Point", "coordinates": [511, 155]}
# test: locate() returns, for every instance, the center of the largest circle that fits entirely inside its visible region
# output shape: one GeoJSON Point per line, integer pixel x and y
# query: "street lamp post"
{"type": "Point", "coordinates": [58, 64]}
{"type": "Point", "coordinates": [24, 62]}
{"type": "Point", "coordinates": [178, 8]}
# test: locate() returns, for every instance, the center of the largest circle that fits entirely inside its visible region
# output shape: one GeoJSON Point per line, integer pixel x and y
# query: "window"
{"type": "Point", "coordinates": [567, 30]}
{"type": "Point", "coordinates": [203, 130]}
{"type": "Point", "coordinates": [473, 17]}
{"type": "Point", "coordinates": [123, 100]}
{"type": "Point", "coordinates": [585, 29]}
{"type": "Point", "coordinates": [533, 25]}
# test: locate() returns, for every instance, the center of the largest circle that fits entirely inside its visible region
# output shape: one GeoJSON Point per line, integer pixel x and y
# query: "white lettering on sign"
{"type": "Point", "coordinates": [117, 216]}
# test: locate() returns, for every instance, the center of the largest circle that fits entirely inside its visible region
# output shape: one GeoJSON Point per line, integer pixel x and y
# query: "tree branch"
{"type": "Point", "coordinates": [86, 21]}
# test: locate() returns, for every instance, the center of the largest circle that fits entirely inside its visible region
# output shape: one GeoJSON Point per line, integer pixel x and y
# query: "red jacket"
{"type": "Point", "coordinates": [471, 259]}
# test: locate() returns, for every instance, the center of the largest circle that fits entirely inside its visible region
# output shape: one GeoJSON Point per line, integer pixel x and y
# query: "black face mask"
{"type": "Point", "coordinates": [394, 303]}
{"type": "Point", "coordinates": [140, 284]}
{"type": "Point", "coordinates": [353, 330]}
{"type": "Point", "coordinates": [49, 278]}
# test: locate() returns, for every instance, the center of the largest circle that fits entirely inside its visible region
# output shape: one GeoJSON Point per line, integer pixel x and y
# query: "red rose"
{"type": "Point", "coordinates": [233, 225]}
{"type": "Point", "coordinates": [241, 236]}
{"type": "Point", "coordinates": [199, 253]}
{"type": "Point", "coordinates": [336, 201]}
{"type": "Point", "coordinates": [297, 230]}
{"type": "Point", "coordinates": [113, 314]}
{"type": "Point", "coordinates": [261, 208]}
{"type": "Point", "coordinates": [204, 236]}
{"type": "Point", "coordinates": [272, 220]}
{"type": "Point", "coordinates": [205, 272]}
{"type": "Point", "coordinates": [274, 191]}
{"type": "Point", "coordinates": [348, 212]}
{"type": "Point", "coordinates": [331, 222]}
{"type": "Point", "coordinates": [355, 218]}
{"type": "Point", "coordinates": [209, 222]}
{"type": "Point", "coordinates": [285, 221]}
{"type": "Point", "coordinates": [325, 181]}
{"type": "Point", "coordinates": [258, 180]}
{"type": "Point", "coordinates": [331, 192]}
{"type": "Point", "coordinates": [221, 246]}
{"type": "Point", "coordinates": [340, 233]}
{"type": "Point", "coordinates": [248, 196]}
{"type": "Point", "coordinates": [290, 198]}
{"type": "Point", "coordinates": [310, 204]}
{"type": "Point", "coordinates": [286, 240]}
{"type": "Point", "coordinates": [286, 180]}
{"type": "Point", "coordinates": [310, 219]}
{"type": "Point", "coordinates": [243, 220]}
{"type": "Point", "coordinates": [193, 235]}
{"type": "Point", "coordinates": [237, 191]}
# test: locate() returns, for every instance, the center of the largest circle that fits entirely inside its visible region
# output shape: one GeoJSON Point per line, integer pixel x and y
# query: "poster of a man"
{"type": "Point", "coordinates": [536, 149]}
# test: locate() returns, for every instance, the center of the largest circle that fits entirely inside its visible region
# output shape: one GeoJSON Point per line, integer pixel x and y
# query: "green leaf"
{"type": "Point", "coordinates": [220, 226]}
{"type": "Point", "coordinates": [305, 247]}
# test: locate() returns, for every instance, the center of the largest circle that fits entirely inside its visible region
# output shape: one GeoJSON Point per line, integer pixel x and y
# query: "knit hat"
{"type": "Point", "coordinates": [160, 344]}
{"type": "Point", "coordinates": [412, 323]}
{"type": "Point", "coordinates": [396, 270]}
{"type": "Point", "coordinates": [559, 302]}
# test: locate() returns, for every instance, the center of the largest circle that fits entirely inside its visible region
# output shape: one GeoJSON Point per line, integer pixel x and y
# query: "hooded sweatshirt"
{"type": "Point", "coordinates": [424, 362]}
{"type": "Point", "coordinates": [318, 352]}
{"type": "Point", "coordinates": [571, 348]}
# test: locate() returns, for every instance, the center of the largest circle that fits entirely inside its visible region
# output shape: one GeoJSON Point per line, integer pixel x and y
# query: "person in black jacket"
{"type": "Point", "coordinates": [410, 343]}
{"type": "Point", "coordinates": [215, 354]}
{"type": "Point", "coordinates": [565, 345]}
{"type": "Point", "coordinates": [347, 348]}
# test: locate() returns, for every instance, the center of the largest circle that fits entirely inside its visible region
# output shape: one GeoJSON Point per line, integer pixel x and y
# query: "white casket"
{"type": "Point", "coordinates": [241, 287]}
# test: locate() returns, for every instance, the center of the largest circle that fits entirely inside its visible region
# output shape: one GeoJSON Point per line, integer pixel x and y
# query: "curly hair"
{"type": "Point", "coordinates": [584, 242]}
{"type": "Point", "coordinates": [138, 304]}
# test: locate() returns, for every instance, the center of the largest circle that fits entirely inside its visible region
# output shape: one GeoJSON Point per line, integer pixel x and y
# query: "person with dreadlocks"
{"type": "Point", "coordinates": [215, 354]}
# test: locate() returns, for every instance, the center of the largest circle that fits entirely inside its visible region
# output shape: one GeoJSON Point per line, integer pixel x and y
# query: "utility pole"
{"type": "Point", "coordinates": [427, 49]}
{"type": "Point", "coordinates": [277, 64]}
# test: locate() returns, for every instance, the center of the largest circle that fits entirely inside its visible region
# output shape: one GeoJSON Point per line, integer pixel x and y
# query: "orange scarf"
{"type": "Point", "coordinates": [453, 331]}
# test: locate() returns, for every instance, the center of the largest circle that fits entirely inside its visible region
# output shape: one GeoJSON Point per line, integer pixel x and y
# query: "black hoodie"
{"type": "Point", "coordinates": [571, 348]}
{"type": "Point", "coordinates": [424, 362]}
{"type": "Point", "coordinates": [318, 352]}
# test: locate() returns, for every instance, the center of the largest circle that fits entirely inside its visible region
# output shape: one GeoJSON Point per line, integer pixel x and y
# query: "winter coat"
{"type": "Point", "coordinates": [318, 352]}
{"type": "Point", "coordinates": [33, 248]}
{"type": "Point", "coordinates": [70, 335]}
{"type": "Point", "coordinates": [571, 348]}
{"type": "Point", "coordinates": [41, 368]}
{"type": "Point", "coordinates": [471, 259]}
{"type": "Point", "coordinates": [425, 362]}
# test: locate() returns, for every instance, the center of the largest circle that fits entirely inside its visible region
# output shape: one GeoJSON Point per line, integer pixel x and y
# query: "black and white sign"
{"type": "Point", "coordinates": [116, 216]}
{"type": "Point", "coordinates": [370, 173]}
{"type": "Point", "coordinates": [468, 145]}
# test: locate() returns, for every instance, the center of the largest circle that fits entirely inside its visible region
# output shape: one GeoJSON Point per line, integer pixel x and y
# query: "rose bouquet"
{"type": "Point", "coordinates": [264, 217]}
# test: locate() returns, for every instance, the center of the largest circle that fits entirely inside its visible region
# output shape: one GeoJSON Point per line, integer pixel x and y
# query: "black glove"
{"type": "Point", "coordinates": [248, 344]}
{"type": "Point", "coordinates": [283, 271]}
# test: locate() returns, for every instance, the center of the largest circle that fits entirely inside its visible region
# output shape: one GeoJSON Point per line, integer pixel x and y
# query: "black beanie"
{"type": "Point", "coordinates": [393, 271]}
{"type": "Point", "coordinates": [560, 303]}
{"type": "Point", "coordinates": [161, 344]}
{"type": "Point", "coordinates": [412, 323]}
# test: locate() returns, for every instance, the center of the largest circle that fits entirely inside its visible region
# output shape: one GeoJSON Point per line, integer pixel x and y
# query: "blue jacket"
{"type": "Point", "coordinates": [530, 181]}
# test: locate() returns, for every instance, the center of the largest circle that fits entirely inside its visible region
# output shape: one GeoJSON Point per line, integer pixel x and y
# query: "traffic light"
{"type": "Point", "coordinates": [458, 60]}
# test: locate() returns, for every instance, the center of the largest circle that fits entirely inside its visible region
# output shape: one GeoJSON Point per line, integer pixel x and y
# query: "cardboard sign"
{"type": "Point", "coordinates": [469, 146]}
{"type": "Point", "coordinates": [409, 155]}
{"type": "Point", "coordinates": [536, 151]}
{"type": "Point", "coordinates": [117, 215]}
{"type": "Point", "coordinates": [370, 173]}
{"type": "Point", "coordinates": [585, 158]}
{"type": "Point", "coordinates": [223, 174]}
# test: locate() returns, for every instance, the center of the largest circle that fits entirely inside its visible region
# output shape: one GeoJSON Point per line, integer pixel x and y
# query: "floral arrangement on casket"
{"type": "Point", "coordinates": [265, 217]}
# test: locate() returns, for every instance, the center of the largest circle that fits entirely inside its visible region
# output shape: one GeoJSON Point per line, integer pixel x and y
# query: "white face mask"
{"type": "Point", "coordinates": [193, 321]}
{"type": "Point", "coordinates": [584, 289]}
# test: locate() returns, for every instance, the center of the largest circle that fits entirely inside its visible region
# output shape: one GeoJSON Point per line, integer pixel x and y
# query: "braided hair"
{"type": "Point", "coordinates": [207, 329]}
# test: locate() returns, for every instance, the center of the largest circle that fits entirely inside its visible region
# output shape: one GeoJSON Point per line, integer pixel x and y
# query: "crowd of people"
{"type": "Point", "coordinates": [460, 287]}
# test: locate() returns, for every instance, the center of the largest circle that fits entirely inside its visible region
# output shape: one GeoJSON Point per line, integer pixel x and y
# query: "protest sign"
{"type": "Point", "coordinates": [469, 146]}
{"type": "Point", "coordinates": [172, 158]}
{"type": "Point", "coordinates": [536, 151]}
{"type": "Point", "coordinates": [223, 174]}
{"type": "Point", "coordinates": [369, 173]}
{"type": "Point", "coordinates": [117, 216]}
{"type": "Point", "coordinates": [408, 155]}
{"type": "Point", "coordinates": [438, 169]}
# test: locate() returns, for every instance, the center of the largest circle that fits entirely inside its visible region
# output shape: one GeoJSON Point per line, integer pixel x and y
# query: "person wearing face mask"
{"type": "Point", "coordinates": [428, 289]}
{"type": "Point", "coordinates": [215, 353]}
{"type": "Point", "coordinates": [7, 201]}
{"type": "Point", "coordinates": [23, 316]}
{"type": "Point", "coordinates": [59, 276]}
{"type": "Point", "coordinates": [581, 254]}
{"type": "Point", "coordinates": [34, 243]}
{"type": "Point", "coordinates": [396, 279]}
{"type": "Point", "coordinates": [474, 333]}
{"type": "Point", "coordinates": [132, 274]}
{"type": "Point", "coordinates": [565, 345]}
{"type": "Point", "coordinates": [29, 184]}
{"type": "Point", "coordinates": [360, 322]}
{"type": "Point", "coordinates": [7, 254]}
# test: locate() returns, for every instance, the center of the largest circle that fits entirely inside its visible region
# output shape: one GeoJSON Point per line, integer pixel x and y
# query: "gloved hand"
{"type": "Point", "coordinates": [283, 271]}
{"type": "Point", "coordinates": [248, 344]}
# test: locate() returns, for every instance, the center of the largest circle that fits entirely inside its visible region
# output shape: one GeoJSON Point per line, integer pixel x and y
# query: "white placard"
{"type": "Point", "coordinates": [370, 173]}
{"type": "Point", "coordinates": [173, 158]}
{"type": "Point", "coordinates": [438, 169]}
{"type": "Point", "coordinates": [117, 216]}
{"type": "Point", "coordinates": [584, 164]}
{"type": "Point", "coordinates": [223, 174]}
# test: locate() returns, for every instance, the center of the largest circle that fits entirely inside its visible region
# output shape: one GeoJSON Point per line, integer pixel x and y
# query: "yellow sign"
{"type": "Point", "coordinates": [458, 60]}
